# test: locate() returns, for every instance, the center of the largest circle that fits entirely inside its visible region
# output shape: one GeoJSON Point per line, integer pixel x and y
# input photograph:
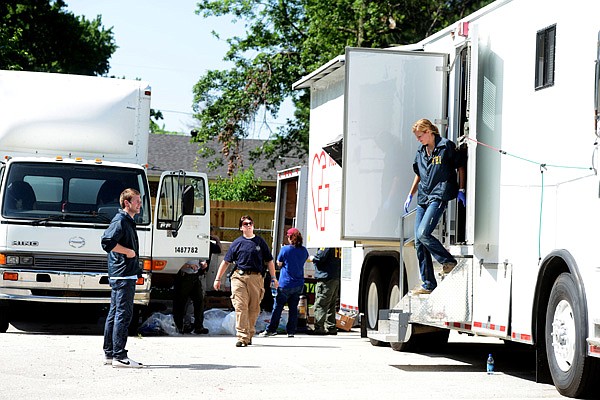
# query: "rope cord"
{"type": "Point", "coordinates": [543, 167]}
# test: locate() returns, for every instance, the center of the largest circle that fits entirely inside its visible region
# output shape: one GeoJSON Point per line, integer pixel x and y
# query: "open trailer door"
{"type": "Point", "coordinates": [386, 92]}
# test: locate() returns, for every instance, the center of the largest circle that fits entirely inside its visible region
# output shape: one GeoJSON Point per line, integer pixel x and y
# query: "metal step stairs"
{"type": "Point", "coordinates": [440, 308]}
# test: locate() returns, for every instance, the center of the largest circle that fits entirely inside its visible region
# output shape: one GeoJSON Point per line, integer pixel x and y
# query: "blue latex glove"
{"type": "Point", "coordinates": [462, 198]}
{"type": "Point", "coordinates": [407, 203]}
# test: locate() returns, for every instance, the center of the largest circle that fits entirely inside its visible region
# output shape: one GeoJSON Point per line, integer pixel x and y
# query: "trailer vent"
{"type": "Point", "coordinates": [544, 57]}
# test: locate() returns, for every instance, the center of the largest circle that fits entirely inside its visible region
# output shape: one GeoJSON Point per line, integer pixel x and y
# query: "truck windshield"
{"type": "Point", "coordinates": [46, 192]}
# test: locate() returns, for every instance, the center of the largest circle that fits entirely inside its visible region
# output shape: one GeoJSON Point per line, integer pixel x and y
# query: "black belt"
{"type": "Point", "coordinates": [247, 272]}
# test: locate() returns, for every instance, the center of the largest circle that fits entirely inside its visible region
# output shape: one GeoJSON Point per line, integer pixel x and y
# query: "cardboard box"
{"type": "Point", "coordinates": [344, 322]}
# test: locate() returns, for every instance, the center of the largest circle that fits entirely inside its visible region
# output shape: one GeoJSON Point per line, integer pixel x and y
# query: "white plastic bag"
{"type": "Point", "coordinates": [264, 318]}
{"type": "Point", "coordinates": [213, 321]}
{"type": "Point", "coordinates": [228, 324]}
{"type": "Point", "coordinates": [158, 324]}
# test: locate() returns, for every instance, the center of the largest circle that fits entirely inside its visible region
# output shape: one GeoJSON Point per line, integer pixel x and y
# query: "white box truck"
{"type": "Point", "coordinates": [517, 86]}
{"type": "Point", "coordinates": [70, 145]}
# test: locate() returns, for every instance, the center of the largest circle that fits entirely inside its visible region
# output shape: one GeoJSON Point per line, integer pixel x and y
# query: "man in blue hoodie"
{"type": "Point", "coordinates": [120, 241]}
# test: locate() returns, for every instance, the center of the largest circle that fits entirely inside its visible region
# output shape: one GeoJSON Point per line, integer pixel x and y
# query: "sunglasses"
{"type": "Point", "coordinates": [247, 223]}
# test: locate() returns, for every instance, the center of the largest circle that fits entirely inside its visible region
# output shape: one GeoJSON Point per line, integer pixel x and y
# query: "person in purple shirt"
{"type": "Point", "coordinates": [291, 259]}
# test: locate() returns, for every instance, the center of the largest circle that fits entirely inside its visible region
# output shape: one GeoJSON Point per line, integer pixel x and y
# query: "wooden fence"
{"type": "Point", "coordinates": [225, 217]}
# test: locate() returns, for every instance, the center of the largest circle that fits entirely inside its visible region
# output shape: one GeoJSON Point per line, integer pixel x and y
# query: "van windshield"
{"type": "Point", "coordinates": [44, 192]}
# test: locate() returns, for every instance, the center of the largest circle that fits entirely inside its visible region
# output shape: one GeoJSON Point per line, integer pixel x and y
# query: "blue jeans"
{"type": "Point", "coordinates": [119, 316]}
{"type": "Point", "coordinates": [291, 296]}
{"type": "Point", "coordinates": [426, 245]}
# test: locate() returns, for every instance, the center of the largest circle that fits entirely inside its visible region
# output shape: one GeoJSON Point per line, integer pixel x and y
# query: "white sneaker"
{"type": "Point", "coordinates": [107, 360]}
{"type": "Point", "coordinates": [126, 363]}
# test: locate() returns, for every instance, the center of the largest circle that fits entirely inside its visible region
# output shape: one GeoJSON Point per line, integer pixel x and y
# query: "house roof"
{"type": "Point", "coordinates": [175, 152]}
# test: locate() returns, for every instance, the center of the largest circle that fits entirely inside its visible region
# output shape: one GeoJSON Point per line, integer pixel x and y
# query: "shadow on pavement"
{"type": "Point", "coordinates": [59, 319]}
{"type": "Point", "coordinates": [509, 358]}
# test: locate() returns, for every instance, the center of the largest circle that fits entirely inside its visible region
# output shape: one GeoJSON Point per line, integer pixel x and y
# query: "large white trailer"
{"type": "Point", "coordinates": [517, 85]}
{"type": "Point", "coordinates": [70, 145]}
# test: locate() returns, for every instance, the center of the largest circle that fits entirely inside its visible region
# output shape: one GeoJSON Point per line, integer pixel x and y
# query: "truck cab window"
{"type": "Point", "coordinates": [178, 197]}
{"type": "Point", "coordinates": [81, 194]}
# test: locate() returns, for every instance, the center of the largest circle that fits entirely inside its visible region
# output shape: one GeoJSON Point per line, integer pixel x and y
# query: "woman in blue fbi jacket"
{"type": "Point", "coordinates": [435, 166]}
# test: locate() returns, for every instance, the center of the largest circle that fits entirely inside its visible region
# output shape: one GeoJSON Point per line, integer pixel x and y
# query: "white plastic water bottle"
{"type": "Point", "coordinates": [490, 365]}
{"type": "Point", "coordinates": [273, 288]}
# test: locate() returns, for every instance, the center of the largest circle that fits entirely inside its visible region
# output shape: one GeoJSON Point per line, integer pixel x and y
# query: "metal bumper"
{"type": "Point", "coordinates": [63, 287]}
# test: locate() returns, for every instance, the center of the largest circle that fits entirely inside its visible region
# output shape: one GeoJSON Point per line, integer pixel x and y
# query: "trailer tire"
{"type": "Point", "coordinates": [374, 301]}
{"type": "Point", "coordinates": [565, 334]}
{"type": "Point", "coordinates": [4, 317]}
{"type": "Point", "coordinates": [393, 293]}
{"type": "Point", "coordinates": [404, 346]}
{"type": "Point", "coordinates": [394, 296]}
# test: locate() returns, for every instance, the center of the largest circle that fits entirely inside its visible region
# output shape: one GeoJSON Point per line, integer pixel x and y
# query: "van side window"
{"type": "Point", "coordinates": [544, 57]}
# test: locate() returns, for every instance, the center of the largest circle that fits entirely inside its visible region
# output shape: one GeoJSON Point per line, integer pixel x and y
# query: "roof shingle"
{"type": "Point", "coordinates": [175, 152]}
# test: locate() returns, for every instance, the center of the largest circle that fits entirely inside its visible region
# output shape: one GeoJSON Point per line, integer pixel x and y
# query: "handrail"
{"type": "Point", "coordinates": [403, 241]}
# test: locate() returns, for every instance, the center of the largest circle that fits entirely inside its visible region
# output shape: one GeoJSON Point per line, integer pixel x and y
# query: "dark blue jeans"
{"type": "Point", "coordinates": [427, 245]}
{"type": "Point", "coordinates": [119, 316]}
{"type": "Point", "coordinates": [291, 296]}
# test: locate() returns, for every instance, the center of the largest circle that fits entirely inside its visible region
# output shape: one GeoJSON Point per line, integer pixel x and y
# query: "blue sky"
{"type": "Point", "coordinates": [165, 43]}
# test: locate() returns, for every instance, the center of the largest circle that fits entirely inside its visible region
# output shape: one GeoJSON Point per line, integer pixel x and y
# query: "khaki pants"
{"type": "Point", "coordinates": [246, 294]}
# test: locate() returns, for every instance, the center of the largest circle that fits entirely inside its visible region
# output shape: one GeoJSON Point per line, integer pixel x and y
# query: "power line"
{"type": "Point", "coordinates": [257, 121]}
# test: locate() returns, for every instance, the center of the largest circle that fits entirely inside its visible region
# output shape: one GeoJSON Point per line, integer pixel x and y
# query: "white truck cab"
{"type": "Point", "coordinates": [70, 145]}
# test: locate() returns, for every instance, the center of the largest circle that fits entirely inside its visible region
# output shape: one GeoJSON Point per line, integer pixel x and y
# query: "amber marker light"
{"type": "Point", "coordinates": [140, 281]}
{"type": "Point", "coordinates": [158, 265]}
{"type": "Point", "coordinates": [2, 259]}
{"type": "Point", "coordinates": [10, 276]}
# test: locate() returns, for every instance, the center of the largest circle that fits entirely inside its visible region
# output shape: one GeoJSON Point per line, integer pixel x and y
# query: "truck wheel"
{"type": "Point", "coordinates": [375, 298]}
{"type": "Point", "coordinates": [572, 372]}
{"type": "Point", "coordinates": [394, 295]}
{"type": "Point", "coordinates": [4, 317]}
{"type": "Point", "coordinates": [404, 346]}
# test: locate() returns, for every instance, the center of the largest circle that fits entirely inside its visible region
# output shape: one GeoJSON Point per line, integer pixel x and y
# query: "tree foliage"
{"type": "Point", "coordinates": [41, 35]}
{"type": "Point", "coordinates": [242, 186]}
{"type": "Point", "coordinates": [287, 39]}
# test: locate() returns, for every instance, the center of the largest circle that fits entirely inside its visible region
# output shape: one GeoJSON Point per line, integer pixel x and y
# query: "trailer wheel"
{"type": "Point", "coordinates": [430, 342]}
{"type": "Point", "coordinates": [374, 302]}
{"type": "Point", "coordinates": [4, 317]}
{"type": "Point", "coordinates": [572, 372]}
{"type": "Point", "coordinates": [394, 295]}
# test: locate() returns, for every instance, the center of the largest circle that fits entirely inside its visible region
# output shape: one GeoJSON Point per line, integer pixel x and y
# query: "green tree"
{"type": "Point", "coordinates": [41, 35]}
{"type": "Point", "coordinates": [242, 186]}
{"type": "Point", "coordinates": [287, 39]}
{"type": "Point", "coordinates": [155, 116]}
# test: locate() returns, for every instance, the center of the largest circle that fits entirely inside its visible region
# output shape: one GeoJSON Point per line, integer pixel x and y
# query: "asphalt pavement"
{"type": "Point", "coordinates": [60, 357]}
